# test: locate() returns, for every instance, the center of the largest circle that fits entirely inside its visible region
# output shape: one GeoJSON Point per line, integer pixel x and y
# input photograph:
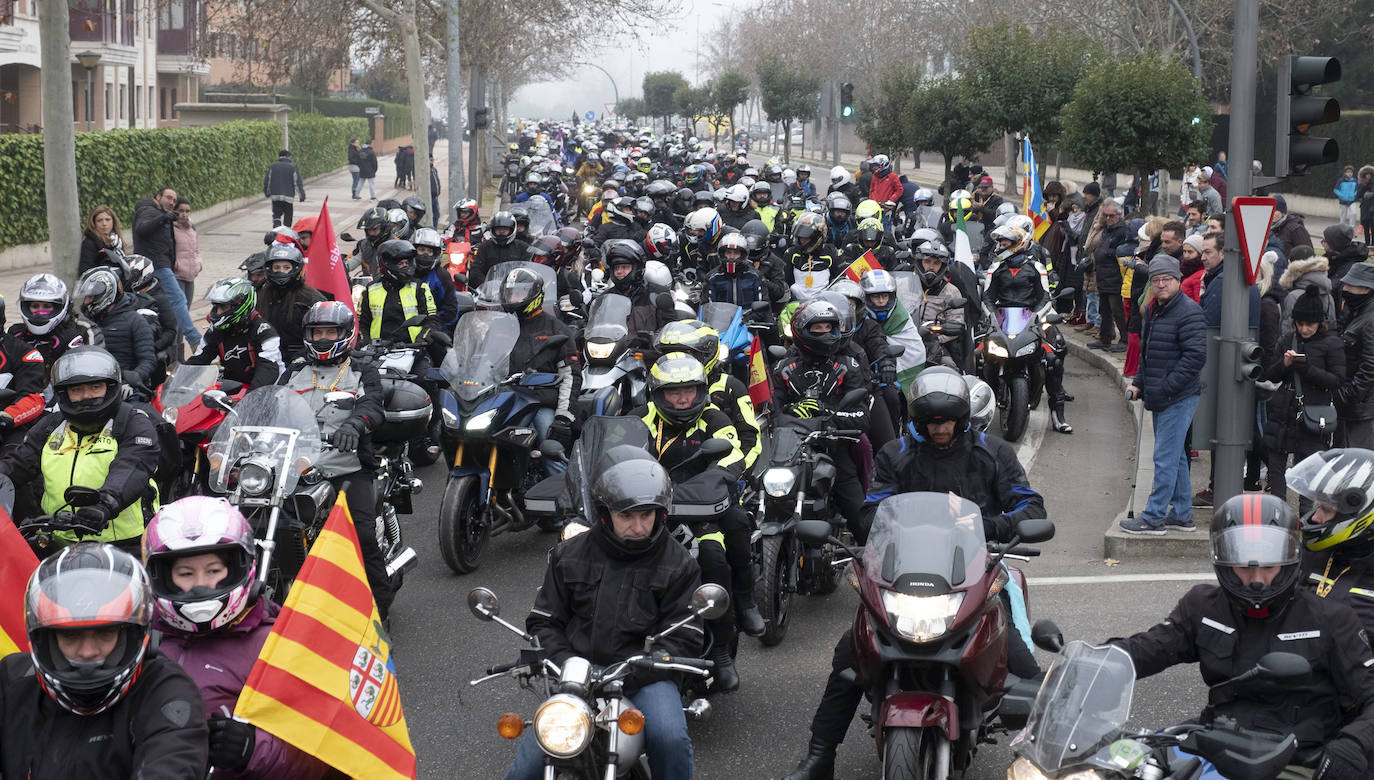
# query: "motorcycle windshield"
{"type": "Point", "coordinates": [926, 543]}
{"type": "Point", "coordinates": [480, 357]}
{"type": "Point", "coordinates": [910, 293]}
{"type": "Point", "coordinates": [187, 384]}
{"type": "Point", "coordinates": [599, 434]}
{"type": "Point", "coordinates": [270, 425]}
{"type": "Point", "coordinates": [490, 290]}
{"type": "Point", "coordinates": [1081, 709]}
{"type": "Point", "coordinates": [608, 319]}
{"type": "Point", "coordinates": [1012, 320]}
{"type": "Point", "coordinates": [727, 319]}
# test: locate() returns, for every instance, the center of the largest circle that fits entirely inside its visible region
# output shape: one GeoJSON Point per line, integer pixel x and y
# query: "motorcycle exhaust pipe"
{"type": "Point", "coordinates": [501, 517]}
{"type": "Point", "coordinates": [699, 710]}
{"type": "Point", "coordinates": [403, 561]}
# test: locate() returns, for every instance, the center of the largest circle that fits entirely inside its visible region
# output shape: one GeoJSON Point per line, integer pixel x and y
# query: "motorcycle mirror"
{"type": "Point", "coordinates": [1284, 668]}
{"type": "Point", "coordinates": [441, 338]}
{"type": "Point", "coordinates": [483, 604]}
{"type": "Point", "coordinates": [230, 387]}
{"type": "Point", "coordinates": [957, 303]}
{"type": "Point", "coordinates": [710, 601]}
{"type": "Point", "coordinates": [553, 450]}
{"type": "Point", "coordinates": [216, 399]}
{"type": "Point", "coordinates": [759, 306]}
{"type": "Point", "coordinates": [1035, 529]}
{"type": "Point", "coordinates": [466, 303]}
{"type": "Point", "coordinates": [1047, 636]}
{"type": "Point", "coordinates": [713, 448]}
{"type": "Point", "coordinates": [894, 350]}
{"type": "Point", "coordinates": [346, 236]}
{"type": "Point", "coordinates": [1054, 317]}
{"type": "Point", "coordinates": [1065, 292]}
{"type": "Point", "coordinates": [955, 329]}
{"type": "Point", "coordinates": [341, 399]}
{"type": "Point", "coordinates": [460, 278]}
{"type": "Point", "coordinates": [776, 352]}
{"type": "Point", "coordinates": [815, 532]}
{"type": "Point", "coordinates": [853, 398]}
{"type": "Point", "coordinates": [79, 496]}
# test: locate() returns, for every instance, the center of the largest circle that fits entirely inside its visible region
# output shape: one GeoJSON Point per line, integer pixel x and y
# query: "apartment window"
{"type": "Point", "coordinates": [172, 15]}
{"type": "Point", "coordinates": [109, 92]}
{"type": "Point", "coordinates": [123, 101]}
{"type": "Point", "coordinates": [162, 100]}
{"type": "Point", "coordinates": [152, 98]}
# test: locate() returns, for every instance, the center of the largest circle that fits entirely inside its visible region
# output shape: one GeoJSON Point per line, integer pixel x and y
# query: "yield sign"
{"type": "Point", "coordinates": [1252, 216]}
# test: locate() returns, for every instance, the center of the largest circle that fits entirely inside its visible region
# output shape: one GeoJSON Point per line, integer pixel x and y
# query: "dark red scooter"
{"type": "Point", "coordinates": [930, 638]}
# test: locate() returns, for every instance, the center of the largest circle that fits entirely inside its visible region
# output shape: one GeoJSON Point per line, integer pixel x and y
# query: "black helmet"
{"type": "Point", "coordinates": [289, 253]}
{"type": "Point", "coordinates": [622, 209]}
{"type": "Point", "coordinates": [98, 290]}
{"type": "Point", "coordinates": [756, 234]}
{"type": "Point", "coordinates": [678, 371]}
{"type": "Point", "coordinates": [931, 280]}
{"type": "Point", "coordinates": [376, 219]}
{"type": "Point", "coordinates": [138, 273]}
{"type": "Point", "coordinates": [623, 251]}
{"type": "Point", "coordinates": [694, 337]}
{"type": "Point", "coordinates": [502, 221]}
{"type": "Point", "coordinates": [413, 203]}
{"type": "Point", "coordinates": [396, 258]}
{"type": "Point", "coordinates": [1256, 530]}
{"type": "Point", "coordinates": [815, 312]}
{"type": "Point", "coordinates": [427, 238]}
{"type": "Point", "coordinates": [660, 189]}
{"type": "Point", "coordinates": [939, 396]}
{"type": "Point", "coordinates": [808, 232]}
{"type": "Point", "coordinates": [88, 586]}
{"type": "Point", "coordinates": [684, 199]}
{"type": "Point", "coordinates": [256, 263]}
{"type": "Point", "coordinates": [761, 193]}
{"type": "Point", "coordinates": [521, 213]}
{"type": "Point", "coordinates": [85, 365]}
{"type": "Point", "coordinates": [704, 199]}
{"type": "Point", "coordinates": [334, 314]}
{"type": "Point", "coordinates": [522, 292]}
{"type": "Point", "coordinates": [628, 478]}
{"type": "Point", "coordinates": [231, 304]}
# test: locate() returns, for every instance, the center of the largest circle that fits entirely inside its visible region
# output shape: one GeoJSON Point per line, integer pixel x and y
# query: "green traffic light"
{"type": "Point", "coordinates": [847, 111]}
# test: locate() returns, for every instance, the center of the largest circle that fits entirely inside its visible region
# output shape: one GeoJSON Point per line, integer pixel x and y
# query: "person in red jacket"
{"type": "Point", "coordinates": [885, 187]}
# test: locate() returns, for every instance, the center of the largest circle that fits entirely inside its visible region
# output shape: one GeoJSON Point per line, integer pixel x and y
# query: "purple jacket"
{"type": "Point", "coordinates": [219, 663]}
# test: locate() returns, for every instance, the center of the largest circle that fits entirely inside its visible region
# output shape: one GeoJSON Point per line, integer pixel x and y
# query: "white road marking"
{"type": "Point", "coordinates": [1100, 579]}
{"type": "Point", "coordinates": [1029, 446]}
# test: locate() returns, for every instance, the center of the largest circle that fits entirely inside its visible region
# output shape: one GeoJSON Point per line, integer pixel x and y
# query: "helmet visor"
{"type": "Point", "coordinates": [84, 598]}
{"type": "Point", "coordinates": [1255, 545]}
{"type": "Point", "coordinates": [1332, 481]}
{"type": "Point", "coordinates": [517, 291]}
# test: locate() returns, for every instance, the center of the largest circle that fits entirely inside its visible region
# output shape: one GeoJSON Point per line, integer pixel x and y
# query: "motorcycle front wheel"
{"type": "Point", "coordinates": [463, 532]}
{"type": "Point", "coordinates": [1018, 409]}
{"type": "Point", "coordinates": [911, 754]}
{"type": "Point", "coordinates": [777, 575]}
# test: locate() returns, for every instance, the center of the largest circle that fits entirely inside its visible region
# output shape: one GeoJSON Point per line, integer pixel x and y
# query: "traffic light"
{"type": "Point", "coordinates": [1248, 369]}
{"type": "Point", "coordinates": [481, 118]}
{"type": "Point", "coordinates": [1299, 110]}
{"type": "Point", "coordinates": [846, 99]}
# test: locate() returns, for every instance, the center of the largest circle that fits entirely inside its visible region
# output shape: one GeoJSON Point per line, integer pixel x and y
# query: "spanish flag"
{"type": "Point", "coordinates": [325, 681]}
{"type": "Point", "coordinates": [17, 563]}
{"type": "Point", "coordinates": [760, 392]}
{"type": "Point", "coordinates": [862, 264]}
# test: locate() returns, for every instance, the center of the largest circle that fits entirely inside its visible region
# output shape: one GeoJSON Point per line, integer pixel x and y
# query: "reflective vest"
{"type": "Point", "coordinates": [768, 215]}
{"type": "Point", "coordinates": [69, 458]}
{"type": "Point", "coordinates": [410, 306]}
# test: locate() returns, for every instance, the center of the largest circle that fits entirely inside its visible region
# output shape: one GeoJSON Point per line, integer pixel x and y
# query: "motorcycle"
{"type": "Point", "coordinates": [735, 327]}
{"type": "Point", "coordinates": [614, 374]}
{"type": "Point", "coordinates": [459, 252]}
{"type": "Point", "coordinates": [1013, 364]}
{"type": "Point", "coordinates": [930, 636]}
{"type": "Point", "coordinates": [589, 192]}
{"type": "Point", "coordinates": [1077, 725]}
{"type": "Point", "coordinates": [178, 401]}
{"type": "Point", "coordinates": [495, 418]}
{"type": "Point", "coordinates": [585, 725]}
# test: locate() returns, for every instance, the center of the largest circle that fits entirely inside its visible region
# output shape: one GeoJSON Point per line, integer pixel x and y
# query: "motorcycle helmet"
{"type": "Point", "coordinates": [644, 208]}
{"type": "Point", "coordinates": [657, 278]}
{"type": "Point", "coordinates": [1004, 213]}
{"type": "Point", "coordinates": [138, 273]}
{"type": "Point", "coordinates": [635, 183]}
{"type": "Point", "coordinates": [376, 225]}
{"type": "Point", "coordinates": [737, 196]}
{"type": "Point", "coordinates": [43, 303]}
{"type": "Point", "coordinates": [868, 209]}
{"type": "Point", "coordinates": [1026, 224]}
{"type": "Point", "coordinates": [733, 251]}
{"type": "Point", "coordinates": [838, 208]}
{"type": "Point", "coordinates": [673, 372]}
{"type": "Point", "coordinates": [396, 260]}
{"type": "Point", "coordinates": [931, 280]}
{"type": "Point", "coordinates": [761, 194]}
{"type": "Point", "coordinates": [817, 344]}
{"type": "Point", "coordinates": [809, 232]}
{"type": "Point", "coordinates": [1015, 238]}
{"type": "Point", "coordinates": [703, 200]}
{"type": "Point", "coordinates": [522, 292]}
{"type": "Point", "coordinates": [879, 283]}
{"type": "Point", "coordinates": [98, 291]}
{"type": "Point", "coordinates": [255, 265]}
{"type": "Point", "coordinates": [803, 172]}
{"type": "Point", "coordinates": [284, 253]}
{"type": "Point", "coordinates": [1340, 483]}
{"type": "Point", "coordinates": [772, 172]}
{"type": "Point", "coordinates": [465, 211]}
{"type": "Point", "coordinates": [545, 250]}
{"type": "Point", "coordinates": [282, 235]}
{"type": "Point", "coordinates": [645, 165]}
{"type": "Point", "coordinates": [661, 242]}
{"type": "Point", "coordinates": [879, 164]}
{"type": "Point", "coordinates": [628, 478]}
{"type": "Point", "coordinates": [622, 210]}
{"type": "Point", "coordinates": [869, 233]}
{"type": "Point", "coordinates": [400, 223]}
{"type": "Point", "coordinates": [853, 295]}
{"type": "Point", "coordinates": [534, 182]}
{"type": "Point", "coordinates": [921, 235]}
{"type": "Point", "coordinates": [1256, 530]}
{"type": "Point", "coordinates": [232, 302]}
{"type": "Point", "coordinates": [756, 235]}
{"type": "Point", "coordinates": [328, 314]}
{"type": "Point", "coordinates": [86, 365]}
{"type": "Point", "coordinates": [692, 175]}
{"type": "Point", "coordinates": [522, 220]}
{"type": "Point", "coordinates": [839, 177]}
{"type": "Point", "coordinates": [693, 337]}
{"type": "Point", "coordinates": [924, 197]}
{"type": "Point", "coordinates": [502, 228]}
{"type": "Point", "coordinates": [702, 227]}
{"type": "Point", "coordinates": [414, 208]}
{"type": "Point", "coordinates": [959, 204]}
{"type": "Point", "coordinates": [660, 190]}
{"type": "Point", "coordinates": [622, 251]}
{"type": "Point", "coordinates": [201, 525]}
{"type": "Point", "coordinates": [939, 396]}
{"type": "Point", "coordinates": [88, 586]}
{"type": "Point", "coordinates": [982, 402]}
{"type": "Point", "coordinates": [428, 247]}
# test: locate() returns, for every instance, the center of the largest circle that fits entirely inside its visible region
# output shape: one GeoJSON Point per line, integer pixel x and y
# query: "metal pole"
{"type": "Point", "coordinates": [457, 188]}
{"type": "Point", "coordinates": [1282, 116]}
{"type": "Point", "coordinates": [477, 97]}
{"type": "Point", "coordinates": [1235, 396]}
{"type": "Point", "coordinates": [90, 98]}
{"type": "Point", "coordinates": [1192, 45]}
{"type": "Point", "coordinates": [835, 123]}
{"type": "Point", "coordinates": [614, 88]}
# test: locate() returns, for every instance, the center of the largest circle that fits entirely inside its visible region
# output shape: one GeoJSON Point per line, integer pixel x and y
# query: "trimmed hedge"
{"type": "Point", "coordinates": [207, 165]}
{"type": "Point", "coordinates": [397, 114]}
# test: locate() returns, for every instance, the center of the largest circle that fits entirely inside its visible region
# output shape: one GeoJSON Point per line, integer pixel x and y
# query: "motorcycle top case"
{"type": "Point", "coordinates": [407, 412]}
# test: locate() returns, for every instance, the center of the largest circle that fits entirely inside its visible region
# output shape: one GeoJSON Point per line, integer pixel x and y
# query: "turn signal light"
{"type": "Point", "coordinates": [511, 725]}
{"type": "Point", "coordinates": [631, 721]}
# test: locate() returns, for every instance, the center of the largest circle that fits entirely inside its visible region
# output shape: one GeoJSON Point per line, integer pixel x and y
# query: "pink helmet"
{"type": "Point", "coordinates": [194, 526]}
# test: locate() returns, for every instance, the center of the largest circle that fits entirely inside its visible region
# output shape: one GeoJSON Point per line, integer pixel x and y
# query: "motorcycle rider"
{"type": "Point", "coordinates": [940, 284]}
{"type": "Point", "coordinates": [245, 344]}
{"type": "Point", "coordinates": [772, 268]}
{"type": "Point", "coordinates": [202, 560]}
{"type": "Point", "coordinates": [812, 259]}
{"type": "Point", "coordinates": [1257, 607]}
{"type": "Point", "coordinates": [95, 440]}
{"type": "Point", "coordinates": [803, 185]}
{"type": "Point", "coordinates": [285, 299]}
{"type": "Point", "coordinates": [940, 453]}
{"type": "Point", "coordinates": [735, 280]}
{"type": "Point", "coordinates": [867, 343]}
{"type": "Point", "coordinates": [48, 322]}
{"type": "Point", "coordinates": [95, 698]}
{"type": "Point", "coordinates": [701, 232]}
{"type": "Point", "coordinates": [643, 584]}
{"type": "Point", "coordinates": [500, 246]}
{"type": "Point", "coordinates": [254, 268]}
{"type": "Point", "coordinates": [326, 367]}
{"type": "Point", "coordinates": [1335, 533]}
{"type": "Point", "coordinates": [522, 294]}
{"type": "Point", "coordinates": [139, 281]}
{"type": "Point", "coordinates": [761, 198]}
{"type": "Point", "coordinates": [839, 224]}
{"type": "Point", "coordinates": [869, 237]}
{"type": "Point", "coordinates": [467, 223]}
{"type": "Point", "coordinates": [127, 335]}
{"type": "Point", "coordinates": [737, 208]}
{"type": "Point", "coordinates": [661, 193]}
{"type": "Point", "coordinates": [376, 225]}
{"type": "Point", "coordinates": [429, 247]}
{"type": "Point", "coordinates": [728, 393]}
{"type": "Point", "coordinates": [27, 376]}
{"type": "Point", "coordinates": [621, 224]}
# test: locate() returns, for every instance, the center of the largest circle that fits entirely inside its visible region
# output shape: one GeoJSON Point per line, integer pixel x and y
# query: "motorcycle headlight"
{"type": "Point", "coordinates": [1023, 769]}
{"type": "Point", "coordinates": [1027, 350]}
{"type": "Point", "coordinates": [921, 618]}
{"type": "Point", "coordinates": [778, 482]}
{"type": "Point", "coordinates": [600, 350]}
{"type": "Point", "coordinates": [589, 189]}
{"type": "Point", "coordinates": [481, 422]}
{"type": "Point", "coordinates": [170, 414]}
{"type": "Point", "coordinates": [563, 725]}
{"type": "Point", "coordinates": [254, 479]}
{"type": "Point", "coordinates": [997, 349]}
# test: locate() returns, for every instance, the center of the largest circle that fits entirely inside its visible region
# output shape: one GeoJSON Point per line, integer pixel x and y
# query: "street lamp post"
{"type": "Point", "coordinates": [89, 60]}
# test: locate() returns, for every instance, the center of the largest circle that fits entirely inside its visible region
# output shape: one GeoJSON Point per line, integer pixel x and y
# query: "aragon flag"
{"type": "Point", "coordinates": [325, 681]}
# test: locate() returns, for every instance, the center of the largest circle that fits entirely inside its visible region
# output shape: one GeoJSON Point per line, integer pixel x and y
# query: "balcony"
{"type": "Point", "coordinates": [102, 21]}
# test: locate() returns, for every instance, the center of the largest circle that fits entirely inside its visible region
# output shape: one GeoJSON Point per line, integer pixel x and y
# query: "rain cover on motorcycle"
{"type": "Point", "coordinates": [273, 426]}
{"type": "Point", "coordinates": [1081, 709]}
{"type": "Point", "coordinates": [925, 544]}
{"type": "Point", "coordinates": [480, 358]}
{"type": "Point", "coordinates": [489, 295]}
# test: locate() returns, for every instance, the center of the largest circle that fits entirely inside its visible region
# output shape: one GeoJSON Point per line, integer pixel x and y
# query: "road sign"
{"type": "Point", "coordinates": [610, 109]}
{"type": "Point", "coordinates": [1252, 216]}
{"type": "Point", "coordinates": [590, 116]}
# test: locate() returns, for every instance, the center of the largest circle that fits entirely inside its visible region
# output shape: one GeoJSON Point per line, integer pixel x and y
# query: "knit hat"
{"type": "Point", "coordinates": [1339, 236]}
{"type": "Point", "coordinates": [1280, 204]}
{"type": "Point", "coordinates": [1194, 241]}
{"type": "Point", "coordinates": [1309, 306]}
{"type": "Point", "coordinates": [1092, 188]}
{"type": "Point", "coordinates": [1163, 264]}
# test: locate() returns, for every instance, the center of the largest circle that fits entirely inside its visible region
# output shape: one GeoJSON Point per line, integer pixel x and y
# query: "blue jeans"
{"type": "Point", "coordinates": [168, 279]}
{"type": "Point", "coordinates": [1172, 485]}
{"type": "Point", "coordinates": [542, 420]}
{"type": "Point", "coordinates": [356, 179]}
{"type": "Point", "coordinates": [666, 740]}
{"type": "Point", "coordinates": [1091, 311]}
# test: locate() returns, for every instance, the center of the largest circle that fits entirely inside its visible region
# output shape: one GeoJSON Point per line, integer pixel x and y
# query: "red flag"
{"type": "Point", "coordinates": [16, 566]}
{"type": "Point", "coordinates": [324, 267]}
{"type": "Point", "coordinates": [759, 390]}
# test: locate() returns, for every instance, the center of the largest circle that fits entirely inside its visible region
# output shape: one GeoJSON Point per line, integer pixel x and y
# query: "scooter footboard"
{"type": "Point", "coordinates": [920, 709]}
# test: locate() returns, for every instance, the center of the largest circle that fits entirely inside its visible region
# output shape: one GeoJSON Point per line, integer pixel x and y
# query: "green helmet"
{"type": "Point", "coordinates": [231, 303]}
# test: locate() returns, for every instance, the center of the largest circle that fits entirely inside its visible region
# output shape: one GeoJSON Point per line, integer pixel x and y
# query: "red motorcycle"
{"type": "Point", "coordinates": [458, 254]}
{"type": "Point", "coordinates": [930, 638]}
{"type": "Point", "coordinates": [179, 402]}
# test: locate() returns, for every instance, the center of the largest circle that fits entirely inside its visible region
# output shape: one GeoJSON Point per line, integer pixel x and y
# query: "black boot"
{"type": "Point", "coordinates": [819, 763]}
{"type": "Point", "coordinates": [751, 620]}
{"type": "Point", "coordinates": [725, 676]}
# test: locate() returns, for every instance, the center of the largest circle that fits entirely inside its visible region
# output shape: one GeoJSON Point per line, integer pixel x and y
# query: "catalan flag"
{"type": "Point", "coordinates": [1032, 199]}
{"type": "Point", "coordinates": [17, 563]}
{"type": "Point", "coordinates": [862, 264]}
{"type": "Point", "coordinates": [325, 680]}
{"type": "Point", "coordinates": [760, 392]}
